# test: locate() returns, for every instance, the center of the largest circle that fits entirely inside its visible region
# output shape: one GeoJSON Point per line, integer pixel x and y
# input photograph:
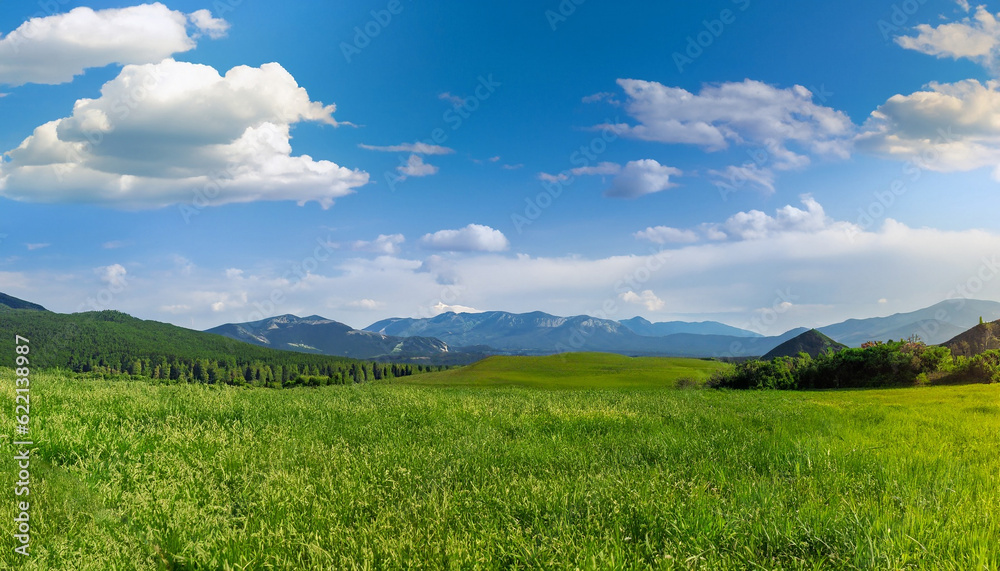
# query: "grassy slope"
{"type": "Point", "coordinates": [575, 371]}
{"type": "Point", "coordinates": [129, 475]}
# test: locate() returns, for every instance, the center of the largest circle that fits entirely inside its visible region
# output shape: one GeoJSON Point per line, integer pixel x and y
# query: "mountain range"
{"type": "Point", "coordinates": [315, 334]}
{"type": "Point", "coordinates": [459, 338]}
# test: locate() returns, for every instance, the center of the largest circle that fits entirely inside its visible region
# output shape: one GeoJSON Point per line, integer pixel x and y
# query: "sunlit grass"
{"type": "Point", "coordinates": [135, 476]}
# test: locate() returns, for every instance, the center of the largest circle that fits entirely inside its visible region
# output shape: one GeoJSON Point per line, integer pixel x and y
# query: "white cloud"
{"type": "Point", "coordinates": [600, 169]}
{"type": "Point", "coordinates": [735, 177]}
{"type": "Point", "coordinates": [639, 178]}
{"type": "Point", "coordinates": [112, 275]}
{"type": "Point", "coordinates": [472, 238]}
{"type": "Point", "coordinates": [666, 235]}
{"type": "Point", "coordinates": [455, 100]}
{"type": "Point", "coordinates": [53, 49]}
{"type": "Point", "coordinates": [415, 166]}
{"type": "Point", "coordinates": [755, 225]}
{"type": "Point", "coordinates": [215, 28]}
{"type": "Point", "coordinates": [748, 113]}
{"type": "Point", "coordinates": [114, 244]}
{"type": "Point", "coordinates": [384, 244]}
{"type": "Point", "coordinates": [365, 304]}
{"type": "Point", "coordinates": [32, 247]}
{"type": "Point", "coordinates": [949, 127]}
{"type": "Point", "coordinates": [647, 299]}
{"type": "Point", "coordinates": [963, 4]}
{"type": "Point", "coordinates": [441, 307]}
{"type": "Point", "coordinates": [415, 148]}
{"type": "Point", "coordinates": [976, 38]}
{"type": "Point", "coordinates": [234, 273]}
{"type": "Point", "coordinates": [828, 275]}
{"type": "Point", "coordinates": [161, 132]}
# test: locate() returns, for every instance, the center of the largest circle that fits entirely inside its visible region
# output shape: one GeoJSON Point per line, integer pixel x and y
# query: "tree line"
{"type": "Point", "coordinates": [874, 364]}
{"type": "Point", "coordinates": [114, 343]}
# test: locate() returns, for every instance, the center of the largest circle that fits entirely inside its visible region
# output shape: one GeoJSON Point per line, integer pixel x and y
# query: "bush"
{"type": "Point", "coordinates": [983, 368]}
{"type": "Point", "coordinates": [872, 365]}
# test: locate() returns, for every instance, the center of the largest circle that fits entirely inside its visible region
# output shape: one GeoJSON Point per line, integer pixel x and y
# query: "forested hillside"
{"type": "Point", "coordinates": [111, 342]}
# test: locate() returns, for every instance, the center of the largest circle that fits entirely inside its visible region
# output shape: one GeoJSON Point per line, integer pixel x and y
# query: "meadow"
{"type": "Point", "coordinates": [428, 473]}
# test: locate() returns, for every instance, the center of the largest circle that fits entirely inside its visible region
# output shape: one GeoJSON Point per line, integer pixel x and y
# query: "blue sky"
{"type": "Point", "coordinates": [768, 166]}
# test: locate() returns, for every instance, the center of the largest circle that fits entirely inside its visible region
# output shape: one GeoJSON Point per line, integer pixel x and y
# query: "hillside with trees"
{"type": "Point", "coordinates": [114, 343]}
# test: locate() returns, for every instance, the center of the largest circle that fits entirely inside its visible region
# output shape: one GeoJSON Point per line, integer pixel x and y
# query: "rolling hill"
{"type": "Point", "coordinates": [575, 371]}
{"type": "Point", "coordinates": [812, 343]}
{"type": "Point", "coordinates": [982, 337]}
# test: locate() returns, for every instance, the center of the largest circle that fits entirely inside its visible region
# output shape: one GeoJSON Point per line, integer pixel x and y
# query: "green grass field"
{"type": "Point", "coordinates": [575, 371]}
{"type": "Point", "coordinates": [128, 475]}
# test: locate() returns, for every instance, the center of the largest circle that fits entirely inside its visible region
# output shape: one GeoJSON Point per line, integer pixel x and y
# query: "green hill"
{"type": "Point", "coordinates": [113, 342]}
{"type": "Point", "coordinates": [979, 339]}
{"type": "Point", "coordinates": [575, 371]}
{"type": "Point", "coordinates": [11, 302]}
{"type": "Point", "coordinates": [812, 342]}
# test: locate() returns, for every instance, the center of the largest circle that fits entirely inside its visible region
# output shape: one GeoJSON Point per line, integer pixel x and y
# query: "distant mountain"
{"type": "Point", "coordinates": [935, 324]}
{"type": "Point", "coordinates": [812, 343]}
{"type": "Point", "coordinates": [11, 302]}
{"type": "Point", "coordinates": [982, 337]}
{"type": "Point", "coordinates": [663, 328]}
{"type": "Point", "coordinates": [540, 333]}
{"type": "Point", "coordinates": [315, 334]}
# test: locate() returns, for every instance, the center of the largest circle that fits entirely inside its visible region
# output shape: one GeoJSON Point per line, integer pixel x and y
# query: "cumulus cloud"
{"type": "Point", "coordinates": [948, 127]}
{"type": "Point", "coordinates": [415, 166]}
{"type": "Point", "coordinates": [214, 28]}
{"type": "Point", "coordinates": [639, 178]}
{"type": "Point", "coordinates": [159, 132]}
{"type": "Point", "coordinates": [666, 235]}
{"type": "Point", "coordinates": [417, 148]}
{"type": "Point", "coordinates": [472, 238]}
{"type": "Point", "coordinates": [646, 299]}
{"type": "Point", "coordinates": [752, 225]}
{"type": "Point", "coordinates": [747, 113]}
{"type": "Point", "coordinates": [976, 38]}
{"type": "Point", "coordinates": [384, 244]}
{"type": "Point", "coordinates": [112, 275]}
{"type": "Point", "coordinates": [755, 225]}
{"type": "Point", "coordinates": [53, 49]}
